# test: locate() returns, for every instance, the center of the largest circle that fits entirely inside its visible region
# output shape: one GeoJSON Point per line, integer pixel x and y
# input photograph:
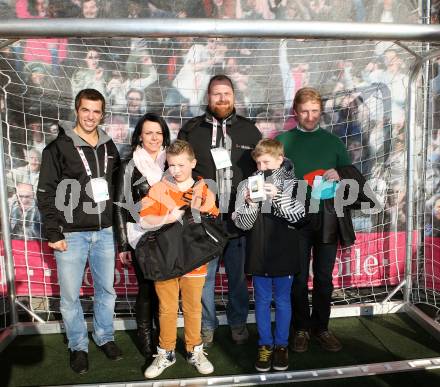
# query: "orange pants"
{"type": "Point", "coordinates": [168, 294]}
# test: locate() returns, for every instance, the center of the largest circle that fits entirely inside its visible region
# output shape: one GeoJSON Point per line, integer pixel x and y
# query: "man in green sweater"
{"type": "Point", "coordinates": [316, 154]}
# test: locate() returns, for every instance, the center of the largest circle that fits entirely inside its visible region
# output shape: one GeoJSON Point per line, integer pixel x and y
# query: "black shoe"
{"type": "Point", "coordinates": [328, 341]}
{"type": "Point", "coordinates": [145, 340]}
{"type": "Point", "coordinates": [300, 341]}
{"type": "Point", "coordinates": [280, 360]}
{"type": "Point", "coordinates": [79, 361]}
{"type": "Point", "coordinates": [240, 334]}
{"type": "Point", "coordinates": [111, 350]}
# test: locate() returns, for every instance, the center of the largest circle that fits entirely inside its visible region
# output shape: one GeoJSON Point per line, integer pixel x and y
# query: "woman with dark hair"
{"type": "Point", "coordinates": [150, 138]}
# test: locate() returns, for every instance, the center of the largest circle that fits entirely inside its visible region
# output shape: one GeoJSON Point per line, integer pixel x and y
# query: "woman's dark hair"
{"type": "Point", "coordinates": [153, 117]}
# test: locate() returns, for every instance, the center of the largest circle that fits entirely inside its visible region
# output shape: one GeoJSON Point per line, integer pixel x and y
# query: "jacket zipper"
{"type": "Point", "coordinates": [95, 153]}
{"type": "Point", "coordinates": [71, 205]}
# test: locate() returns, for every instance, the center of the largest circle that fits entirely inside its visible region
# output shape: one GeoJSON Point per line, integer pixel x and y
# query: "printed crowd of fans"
{"type": "Point", "coordinates": [365, 97]}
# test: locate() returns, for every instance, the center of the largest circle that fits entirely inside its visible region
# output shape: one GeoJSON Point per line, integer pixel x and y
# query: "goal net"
{"type": "Point", "coordinates": [364, 85]}
{"type": "Point", "coordinates": [426, 259]}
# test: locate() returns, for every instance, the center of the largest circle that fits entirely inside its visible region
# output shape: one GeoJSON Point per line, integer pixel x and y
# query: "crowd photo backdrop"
{"type": "Point", "coordinates": [364, 85]}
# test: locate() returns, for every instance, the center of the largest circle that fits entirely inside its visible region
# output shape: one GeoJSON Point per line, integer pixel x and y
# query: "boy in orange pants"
{"type": "Point", "coordinates": [163, 206]}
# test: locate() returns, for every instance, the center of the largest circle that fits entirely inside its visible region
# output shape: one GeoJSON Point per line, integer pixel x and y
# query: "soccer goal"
{"type": "Point", "coordinates": [381, 91]}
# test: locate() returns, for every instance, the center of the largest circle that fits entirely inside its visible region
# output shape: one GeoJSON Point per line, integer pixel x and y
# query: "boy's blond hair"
{"type": "Point", "coordinates": [268, 146]}
{"type": "Point", "coordinates": [180, 146]}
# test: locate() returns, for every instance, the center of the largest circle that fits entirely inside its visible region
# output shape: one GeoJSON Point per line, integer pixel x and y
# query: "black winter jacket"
{"type": "Point", "coordinates": [340, 228]}
{"type": "Point", "coordinates": [62, 199]}
{"type": "Point", "coordinates": [272, 236]}
{"type": "Point", "coordinates": [271, 247]}
{"type": "Point", "coordinates": [244, 135]}
{"type": "Point", "coordinates": [131, 187]}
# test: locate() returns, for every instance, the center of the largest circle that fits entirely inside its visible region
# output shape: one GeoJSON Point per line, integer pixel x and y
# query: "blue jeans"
{"type": "Point", "coordinates": [283, 312]}
{"type": "Point", "coordinates": [238, 298]}
{"type": "Point", "coordinates": [98, 247]}
{"type": "Point", "coordinates": [209, 318]}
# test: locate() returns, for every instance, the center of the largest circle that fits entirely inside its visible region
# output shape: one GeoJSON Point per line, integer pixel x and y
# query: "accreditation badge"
{"type": "Point", "coordinates": [99, 189]}
{"type": "Point", "coordinates": [221, 158]}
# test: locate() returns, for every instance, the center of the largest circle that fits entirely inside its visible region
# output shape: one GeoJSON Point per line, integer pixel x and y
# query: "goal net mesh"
{"type": "Point", "coordinates": [364, 87]}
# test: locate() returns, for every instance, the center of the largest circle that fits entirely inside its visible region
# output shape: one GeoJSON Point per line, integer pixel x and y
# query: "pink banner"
{"type": "Point", "coordinates": [376, 259]}
{"type": "Point", "coordinates": [36, 274]}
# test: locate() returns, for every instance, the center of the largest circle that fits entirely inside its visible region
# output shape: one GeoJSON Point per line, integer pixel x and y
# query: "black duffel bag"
{"type": "Point", "coordinates": [178, 248]}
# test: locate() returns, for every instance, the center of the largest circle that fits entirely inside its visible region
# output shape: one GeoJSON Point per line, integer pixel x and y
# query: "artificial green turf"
{"type": "Point", "coordinates": [43, 360]}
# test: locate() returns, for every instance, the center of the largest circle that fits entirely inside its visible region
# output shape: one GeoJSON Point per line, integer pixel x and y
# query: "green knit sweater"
{"type": "Point", "coordinates": [313, 152]}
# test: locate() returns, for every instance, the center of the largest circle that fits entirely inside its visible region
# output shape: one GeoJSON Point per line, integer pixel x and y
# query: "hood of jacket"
{"type": "Point", "coordinates": [77, 140]}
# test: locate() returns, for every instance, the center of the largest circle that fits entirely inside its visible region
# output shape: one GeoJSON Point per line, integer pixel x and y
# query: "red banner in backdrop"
{"type": "Point", "coordinates": [376, 259]}
{"type": "Point", "coordinates": [36, 273]}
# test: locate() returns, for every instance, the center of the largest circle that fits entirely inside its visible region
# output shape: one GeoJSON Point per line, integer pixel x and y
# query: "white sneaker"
{"type": "Point", "coordinates": [198, 359]}
{"type": "Point", "coordinates": [163, 359]}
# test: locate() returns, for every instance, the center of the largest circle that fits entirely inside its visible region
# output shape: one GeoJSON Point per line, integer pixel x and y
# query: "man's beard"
{"type": "Point", "coordinates": [222, 110]}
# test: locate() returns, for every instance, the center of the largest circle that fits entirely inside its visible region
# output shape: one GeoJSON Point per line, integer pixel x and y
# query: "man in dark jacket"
{"type": "Point", "coordinates": [222, 142]}
{"type": "Point", "coordinates": [75, 200]}
{"type": "Point", "coordinates": [316, 155]}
